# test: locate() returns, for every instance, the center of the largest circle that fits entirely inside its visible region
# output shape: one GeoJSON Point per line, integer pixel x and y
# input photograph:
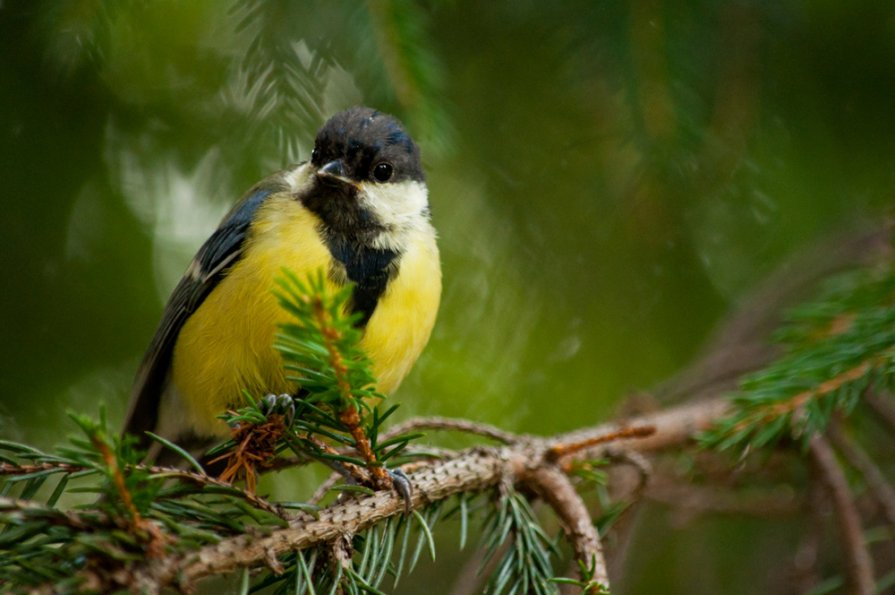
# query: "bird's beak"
{"type": "Point", "coordinates": [334, 168]}
{"type": "Point", "coordinates": [334, 171]}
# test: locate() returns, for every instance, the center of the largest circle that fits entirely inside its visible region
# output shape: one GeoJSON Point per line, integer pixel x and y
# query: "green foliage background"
{"type": "Point", "coordinates": [608, 178]}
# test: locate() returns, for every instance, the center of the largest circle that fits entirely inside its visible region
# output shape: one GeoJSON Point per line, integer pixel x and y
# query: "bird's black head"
{"type": "Point", "coordinates": [363, 145]}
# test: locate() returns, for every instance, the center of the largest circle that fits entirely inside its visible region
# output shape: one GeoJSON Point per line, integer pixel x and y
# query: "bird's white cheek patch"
{"type": "Point", "coordinates": [398, 205]}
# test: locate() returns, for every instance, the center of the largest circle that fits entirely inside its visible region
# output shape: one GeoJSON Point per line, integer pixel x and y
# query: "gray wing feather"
{"type": "Point", "coordinates": [210, 265]}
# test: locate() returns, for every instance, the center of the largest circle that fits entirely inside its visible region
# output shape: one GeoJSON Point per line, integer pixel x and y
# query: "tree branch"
{"type": "Point", "coordinates": [451, 425]}
{"type": "Point", "coordinates": [554, 487]}
{"type": "Point", "coordinates": [883, 407]}
{"type": "Point", "coordinates": [471, 470]}
{"type": "Point", "coordinates": [861, 462]}
{"type": "Point", "coordinates": [859, 564]}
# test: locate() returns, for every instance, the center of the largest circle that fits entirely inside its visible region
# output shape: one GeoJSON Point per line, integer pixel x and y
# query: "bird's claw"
{"type": "Point", "coordinates": [401, 484]}
{"type": "Point", "coordinates": [282, 404]}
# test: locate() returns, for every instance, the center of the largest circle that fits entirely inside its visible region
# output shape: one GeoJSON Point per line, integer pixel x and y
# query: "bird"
{"type": "Point", "coordinates": [357, 211]}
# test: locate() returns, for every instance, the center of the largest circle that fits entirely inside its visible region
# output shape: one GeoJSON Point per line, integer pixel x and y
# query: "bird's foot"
{"type": "Point", "coordinates": [401, 484]}
{"type": "Point", "coordinates": [281, 405]}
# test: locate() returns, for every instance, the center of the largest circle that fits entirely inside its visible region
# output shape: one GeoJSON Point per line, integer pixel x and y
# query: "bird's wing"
{"type": "Point", "coordinates": [210, 265]}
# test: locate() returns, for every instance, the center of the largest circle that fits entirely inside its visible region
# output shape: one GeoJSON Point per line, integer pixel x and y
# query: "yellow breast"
{"type": "Point", "coordinates": [226, 346]}
{"type": "Point", "coordinates": [405, 314]}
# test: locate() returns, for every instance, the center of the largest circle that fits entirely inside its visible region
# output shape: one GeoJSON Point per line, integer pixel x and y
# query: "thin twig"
{"type": "Point", "coordinates": [554, 487]}
{"type": "Point", "coordinates": [79, 521]}
{"type": "Point", "coordinates": [559, 450]}
{"type": "Point", "coordinates": [24, 469]}
{"type": "Point", "coordinates": [858, 459]}
{"type": "Point", "coordinates": [449, 424]}
{"type": "Point", "coordinates": [325, 487]}
{"type": "Point", "coordinates": [798, 402]}
{"type": "Point", "coordinates": [345, 468]}
{"type": "Point", "coordinates": [882, 406]}
{"type": "Point", "coordinates": [207, 480]}
{"type": "Point", "coordinates": [347, 410]}
{"type": "Point", "coordinates": [638, 462]}
{"type": "Point", "coordinates": [623, 527]}
{"type": "Point", "coordinates": [154, 537]}
{"type": "Point", "coordinates": [859, 564]}
{"type": "Point", "coordinates": [674, 426]}
{"type": "Point", "coordinates": [118, 480]}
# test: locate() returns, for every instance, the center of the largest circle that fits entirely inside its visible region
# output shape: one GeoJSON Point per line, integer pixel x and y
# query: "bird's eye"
{"type": "Point", "coordinates": [383, 172]}
{"type": "Point", "coordinates": [315, 156]}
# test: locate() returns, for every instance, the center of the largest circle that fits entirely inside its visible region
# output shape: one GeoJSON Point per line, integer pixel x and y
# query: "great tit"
{"type": "Point", "coordinates": [359, 212]}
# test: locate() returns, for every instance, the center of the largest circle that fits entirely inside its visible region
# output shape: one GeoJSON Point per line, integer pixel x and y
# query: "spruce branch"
{"type": "Point", "coordinates": [139, 526]}
{"type": "Point", "coordinates": [158, 527]}
{"type": "Point", "coordinates": [835, 349]}
{"type": "Point", "coordinates": [470, 471]}
{"type": "Point", "coordinates": [474, 470]}
{"type": "Point", "coordinates": [213, 484]}
{"type": "Point", "coordinates": [524, 564]}
{"type": "Point", "coordinates": [277, 86]}
{"type": "Point", "coordinates": [320, 320]}
{"type": "Point", "coordinates": [411, 67]}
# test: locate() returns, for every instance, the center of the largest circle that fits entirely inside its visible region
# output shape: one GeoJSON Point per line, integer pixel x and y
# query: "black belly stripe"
{"type": "Point", "coordinates": [370, 269]}
{"type": "Point", "coordinates": [350, 232]}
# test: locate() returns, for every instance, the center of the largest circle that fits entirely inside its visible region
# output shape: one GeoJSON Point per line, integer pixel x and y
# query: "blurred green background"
{"type": "Point", "coordinates": [607, 178]}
